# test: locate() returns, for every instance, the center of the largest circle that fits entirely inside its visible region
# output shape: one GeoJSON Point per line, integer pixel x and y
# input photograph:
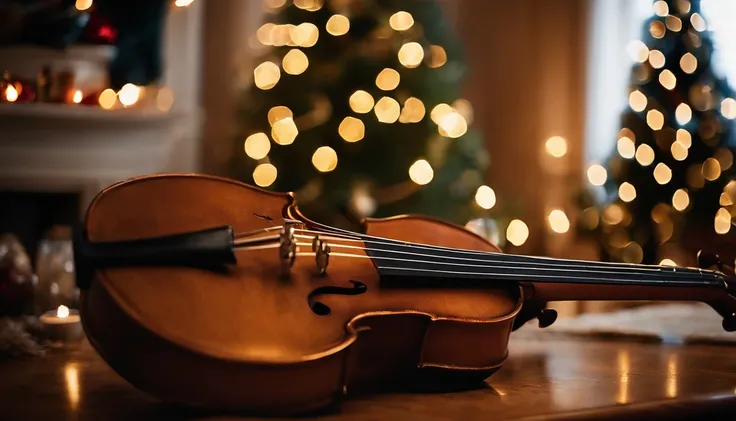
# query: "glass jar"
{"type": "Point", "coordinates": [55, 270]}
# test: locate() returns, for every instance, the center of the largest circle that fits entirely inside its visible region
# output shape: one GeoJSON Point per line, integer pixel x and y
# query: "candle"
{"type": "Point", "coordinates": [62, 324]}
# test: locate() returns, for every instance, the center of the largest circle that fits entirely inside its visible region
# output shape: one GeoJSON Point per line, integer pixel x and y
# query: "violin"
{"type": "Point", "coordinates": [207, 292]}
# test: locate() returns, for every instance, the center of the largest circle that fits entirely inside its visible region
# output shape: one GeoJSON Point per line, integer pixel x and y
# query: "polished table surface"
{"type": "Point", "coordinates": [560, 379]}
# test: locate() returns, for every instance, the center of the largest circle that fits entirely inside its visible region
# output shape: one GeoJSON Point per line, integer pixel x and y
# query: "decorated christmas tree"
{"type": "Point", "coordinates": [356, 107]}
{"type": "Point", "coordinates": [668, 185]}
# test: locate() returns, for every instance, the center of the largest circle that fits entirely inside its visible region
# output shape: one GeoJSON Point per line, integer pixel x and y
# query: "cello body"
{"type": "Point", "coordinates": [247, 339]}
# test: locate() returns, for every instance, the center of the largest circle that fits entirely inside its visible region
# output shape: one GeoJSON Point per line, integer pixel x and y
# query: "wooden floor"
{"type": "Point", "coordinates": [571, 379]}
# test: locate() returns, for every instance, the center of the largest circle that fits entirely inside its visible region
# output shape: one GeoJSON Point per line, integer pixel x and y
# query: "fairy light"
{"type": "Point", "coordinates": [387, 110]}
{"type": "Point", "coordinates": [324, 159]}
{"type": "Point", "coordinates": [637, 101]}
{"type": "Point", "coordinates": [485, 197]}
{"type": "Point", "coordinates": [626, 147]}
{"type": "Point", "coordinates": [129, 94]}
{"type": "Point", "coordinates": [388, 79]}
{"type": "Point", "coordinates": [627, 192]}
{"type": "Point", "coordinates": [728, 108]}
{"type": "Point", "coordinates": [439, 111]}
{"type": "Point", "coordinates": [277, 113]}
{"type": "Point", "coordinates": [304, 35]}
{"type": "Point", "coordinates": [632, 253]}
{"type": "Point", "coordinates": [361, 102]}
{"type": "Point", "coordinates": [77, 97]}
{"type": "Point", "coordinates": [697, 21]}
{"type": "Point", "coordinates": [558, 221]}
{"type": "Point", "coordinates": [264, 174]}
{"type": "Point", "coordinates": [295, 62]}
{"type": "Point", "coordinates": [11, 94]}
{"type": "Point", "coordinates": [421, 172]}
{"type": "Point", "coordinates": [662, 173]}
{"type": "Point", "coordinates": [257, 145]}
{"type": "Point", "coordinates": [597, 175]}
{"type": "Point", "coordinates": [667, 262]}
{"type": "Point", "coordinates": [437, 56]}
{"type": "Point", "coordinates": [413, 111]}
{"type": "Point", "coordinates": [711, 169]}
{"type": "Point", "coordinates": [724, 158]}
{"type": "Point", "coordinates": [685, 138]}
{"type": "Point", "coordinates": [351, 129]}
{"type": "Point", "coordinates": [337, 25]}
{"type": "Point", "coordinates": [613, 214]}
{"type": "Point", "coordinates": [164, 99]}
{"type": "Point", "coordinates": [668, 79]}
{"type": "Point", "coordinates": [266, 75]}
{"type": "Point", "coordinates": [264, 33]}
{"type": "Point", "coordinates": [679, 151]}
{"type": "Point", "coordinates": [656, 59]}
{"type": "Point", "coordinates": [401, 21]}
{"type": "Point", "coordinates": [275, 4]}
{"type": "Point", "coordinates": [85, 4]}
{"type": "Point", "coordinates": [673, 23]}
{"type": "Point", "coordinates": [725, 200]}
{"type": "Point", "coordinates": [661, 8]}
{"type": "Point", "coordinates": [683, 6]}
{"type": "Point", "coordinates": [517, 232]}
{"type": "Point", "coordinates": [694, 176]}
{"type": "Point", "coordinates": [556, 146]}
{"type": "Point", "coordinates": [655, 119]}
{"type": "Point", "coordinates": [638, 51]}
{"type": "Point", "coordinates": [657, 29]}
{"type": "Point", "coordinates": [722, 222]}
{"type": "Point", "coordinates": [452, 125]}
{"type": "Point", "coordinates": [182, 3]}
{"type": "Point", "coordinates": [688, 63]}
{"type": "Point", "coordinates": [310, 5]}
{"type": "Point", "coordinates": [284, 131]}
{"type": "Point", "coordinates": [644, 155]}
{"type": "Point", "coordinates": [683, 114]}
{"type": "Point", "coordinates": [107, 99]}
{"type": "Point", "coordinates": [411, 54]}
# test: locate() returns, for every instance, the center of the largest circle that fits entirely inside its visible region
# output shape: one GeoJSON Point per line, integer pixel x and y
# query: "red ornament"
{"type": "Point", "coordinates": [99, 30]}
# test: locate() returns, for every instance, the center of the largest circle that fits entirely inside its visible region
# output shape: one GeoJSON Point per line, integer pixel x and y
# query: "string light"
{"type": "Point", "coordinates": [361, 102]}
{"type": "Point", "coordinates": [683, 114]}
{"type": "Point", "coordinates": [684, 138]}
{"type": "Point", "coordinates": [324, 159]}
{"type": "Point", "coordinates": [182, 3]}
{"type": "Point", "coordinates": [264, 33]}
{"type": "Point", "coordinates": [437, 56]}
{"type": "Point", "coordinates": [728, 108]}
{"type": "Point", "coordinates": [638, 51]}
{"type": "Point", "coordinates": [688, 63]}
{"type": "Point", "coordinates": [275, 4]}
{"type": "Point", "coordinates": [697, 22]}
{"type": "Point", "coordinates": [86, 4]}
{"type": "Point", "coordinates": [597, 175]}
{"type": "Point", "coordinates": [662, 173]}
{"type": "Point", "coordinates": [264, 174]}
{"type": "Point", "coordinates": [164, 99]}
{"type": "Point", "coordinates": [556, 146]}
{"type": "Point", "coordinates": [452, 125]}
{"type": "Point", "coordinates": [722, 222]}
{"type": "Point", "coordinates": [388, 79]}
{"type": "Point", "coordinates": [656, 59]}
{"type": "Point", "coordinates": [284, 131]}
{"type": "Point", "coordinates": [439, 111]}
{"type": "Point", "coordinates": [694, 176]}
{"type": "Point", "coordinates": [667, 262]}
{"type": "Point", "coordinates": [626, 147]}
{"type": "Point", "coordinates": [683, 6]}
{"type": "Point", "coordinates": [411, 54]}
{"type": "Point", "coordinates": [421, 172]}
{"type": "Point", "coordinates": [711, 169]}
{"type": "Point", "coordinates": [351, 129]}
{"type": "Point", "coordinates": [655, 119]}
{"type": "Point", "coordinates": [657, 29]}
{"type": "Point", "coordinates": [627, 192]}
{"type": "Point", "coordinates": [613, 214]}
{"type": "Point", "coordinates": [674, 23]}
{"type": "Point", "coordinates": [277, 113]}
{"type": "Point", "coordinates": [401, 21]}
{"type": "Point", "coordinates": [266, 75]}
{"type": "Point", "coordinates": [724, 158]}
{"type": "Point", "coordinates": [464, 108]}
{"type": "Point", "coordinates": [644, 155]}
{"type": "Point", "coordinates": [413, 111]}
{"type": "Point", "coordinates": [295, 62]}
{"type": "Point", "coordinates": [257, 145]}
{"type": "Point", "coordinates": [637, 101]}
{"type": "Point", "coordinates": [661, 8]}
{"type": "Point", "coordinates": [725, 200]}
{"type": "Point", "coordinates": [632, 253]}
{"type": "Point", "coordinates": [387, 110]}
{"type": "Point", "coordinates": [107, 99]}
{"type": "Point", "coordinates": [679, 151]}
{"type": "Point", "coordinates": [667, 79]}
{"type": "Point", "coordinates": [338, 25]}
{"type": "Point", "coordinates": [558, 221]}
{"type": "Point", "coordinates": [517, 232]}
{"type": "Point", "coordinates": [309, 5]}
{"type": "Point", "coordinates": [129, 94]}
{"type": "Point", "coordinates": [485, 197]}
{"type": "Point", "coordinates": [11, 94]}
{"type": "Point", "coordinates": [305, 34]}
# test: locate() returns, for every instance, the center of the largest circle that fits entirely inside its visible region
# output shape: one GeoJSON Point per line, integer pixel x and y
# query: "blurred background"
{"type": "Point", "coordinates": [589, 129]}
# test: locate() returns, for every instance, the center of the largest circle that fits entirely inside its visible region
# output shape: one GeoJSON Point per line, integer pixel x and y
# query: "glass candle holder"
{"type": "Point", "coordinates": [55, 270]}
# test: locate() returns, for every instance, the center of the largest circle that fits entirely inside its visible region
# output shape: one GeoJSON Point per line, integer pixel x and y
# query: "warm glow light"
{"type": "Point", "coordinates": [680, 200]}
{"type": "Point", "coordinates": [613, 214]}
{"type": "Point", "coordinates": [338, 25]}
{"type": "Point", "coordinates": [685, 138]}
{"type": "Point", "coordinates": [679, 151]}
{"type": "Point", "coordinates": [655, 119]}
{"type": "Point", "coordinates": [62, 312]}
{"type": "Point", "coordinates": [683, 114]}
{"type": "Point", "coordinates": [164, 99]}
{"type": "Point", "coordinates": [324, 159]}
{"type": "Point", "coordinates": [725, 200]}
{"type": "Point", "coordinates": [411, 54]}
{"type": "Point", "coordinates": [388, 79]}
{"type": "Point", "coordinates": [485, 197]}
{"type": "Point", "coordinates": [452, 125]}
{"type": "Point", "coordinates": [413, 111]}
{"type": "Point", "coordinates": [633, 253]}
{"type": "Point", "coordinates": [657, 29]}
{"type": "Point", "coordinates": [437, 56]}
{"type": "Point", "coordinates": [464, 108]}
{"type": "Point", "coordinates": [387, 110]}
{"type": "Point", "coordinates": [86, 4]}
{"type": "Point", "coordinates": [558, 221]}
{"type": "Point", "coordinates": [667, 262]}
{"type": "Point", "coordinates": [264, 175]}
{"type": "Point", "coordinates": [597, 175]}
{"type": "Point", "coordinates": [107, 99]}
{"type": "Point", "coordinates": [697, 22]}
{"type": "Point", "coordinates": [129, 94]}
{"type": "Point", "coordinates": [11, 94]}
{"type": "Point", "coordinates": [310, 5]}
{"type": "Point", "coordinates": [711, 169]}
{"type": "Point", "coordinates": [277, 113]}
{"type": "Point", "coordinates": [638, 51]}
{"type": "Point", "coordinates": [728, 108]}
{"type": "Point", "coordinates": [656, 59]}
{"type": "Point", "coordinates": [71, 376]}
{"type": "Point", "coordinates": [257, 145]}
{"type": "Point", "coordinates": [627, 192]}
{"type": "Point", "coordinates": [439, 111]}
{"type": "Point", "coordinates": [401, 21]}
{"type": "Point", "coordinates": [637, 101]}
{"type": "Point", "coordinates": [644, 155]}
{"type": "Point", "coordinates": [275, 4]}
{"type": "Point", "coordinates": [626, 147]}
{"type": "Point", "coordinates": [683, 6]}
{"type": "Point", "coordinates": [304, 35]}
{"type": "Point", "coordinates": [266, 75]}
{"type": "Point", "coordinates": [556, 146]}
{"type": "Point", "coordinates": [351, 129]}
{"type": "Point", "coordinates": [517, 232]}
{"type": "Point", "coordinates": [361, 102]}
{"type": "Point", "coordinates": [662, 173]}
{"type": "Point", "coordinates": [263, 34]}
{"type": "Point", "coordinates": [624, 367]}
{"type": "Point", "coordinates": [661, 8]}
{"type": "Point", "coordinates": [295, 62]}
{"type": "Point", "coordinates": [673, 23]}
{"type": "Point", "coordinates": [284, 131]}
{"type": "Point", "coordinates": [688, 63]}
{"type": "Point", "coordinates": [722, 222]}
{"type": "Point", "coordinates": [724, 157]}
{"type": "Point", "coordinates": [421, 172]}
{"type": "Point", "coordinates": [667, 79]}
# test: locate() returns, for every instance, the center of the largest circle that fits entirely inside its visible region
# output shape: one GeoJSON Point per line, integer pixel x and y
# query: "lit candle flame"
{"type": "Point", "coordinates": [62, 312]}
{"type": "Point", "coordinates": [77, 97]}
{"type": "Point", "coordinates": [11, 94]}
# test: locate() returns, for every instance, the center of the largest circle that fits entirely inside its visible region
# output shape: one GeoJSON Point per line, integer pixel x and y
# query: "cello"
{"type": "Point", "coordinates": [207, 292]}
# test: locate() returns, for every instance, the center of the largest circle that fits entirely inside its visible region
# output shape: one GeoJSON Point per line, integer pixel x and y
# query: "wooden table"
{"type": "Point", "coordinates": [570, 379]}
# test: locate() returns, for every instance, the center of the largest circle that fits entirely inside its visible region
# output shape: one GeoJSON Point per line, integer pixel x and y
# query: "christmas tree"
{"type": "Point", "coordinates": [668, 185]}
{"type": "Point", "coordinates": [355, 106]}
